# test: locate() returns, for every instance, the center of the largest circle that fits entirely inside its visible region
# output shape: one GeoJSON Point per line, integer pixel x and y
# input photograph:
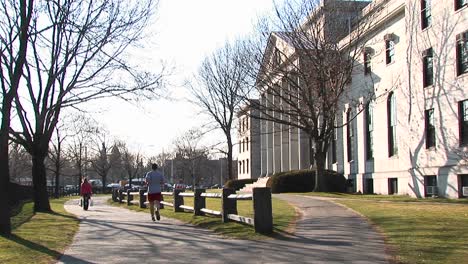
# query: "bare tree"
{"type": "Point", "coordinates": [14, 30]}
{"type": "Point", "coordinates": [161, 159]}
{"type": "Point", "coordinates": [116, 170]}
{"type": "Point", "coordinates": [303, 63]}
{"type": "Point", "coordinates": [20, 164]}
{"type": "Point", "coordinates": [220, 89]}
{"type": "Point", "coordinates": [78, 54]}
{"type": "Point", "coordinates": [82, 129]}
{"type": "Point", "coordinates": [132, 162]}
{"type": "Point", "coordinates": [189, 151]}
{"type": "Point", "coordinates": [56, 157]}
{"type": "Point", "coordinates": [101, 161]}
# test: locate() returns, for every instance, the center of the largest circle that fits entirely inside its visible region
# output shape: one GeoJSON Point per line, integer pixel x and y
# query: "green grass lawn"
{"type": "Point", "coordinates": [283, 215]}
{"type": "Point", "coordinates": [38, 238]}
{"type": "Point", "coordinates": [418, 230]}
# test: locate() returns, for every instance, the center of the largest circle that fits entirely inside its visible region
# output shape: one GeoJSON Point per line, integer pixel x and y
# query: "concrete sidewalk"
{"type": "Point", "coordinates": [326, 233]}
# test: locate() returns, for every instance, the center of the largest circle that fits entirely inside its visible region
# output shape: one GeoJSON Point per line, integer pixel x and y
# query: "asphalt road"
{"type": "Point", "coordinates": [325, 233]}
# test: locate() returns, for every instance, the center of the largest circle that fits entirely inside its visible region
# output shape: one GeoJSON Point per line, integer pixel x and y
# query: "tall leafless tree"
{"type": "Point", "coordinates": [14, 33]}
{"type": "Point", "coordinates": [78, 54]}
{"type": "Point", "coordinates": [56, 156]}
{"type": "Point", "coordinates": [132, 162]}
{"type": "Point", "coordinates": [303, 61]}
{"type": "Point", "coordinates": [190, 153]}
{"type": "Point", "coordinates": [81, 131]}
{"type": "Point", "coordinates": [102, 151]}
{"type": "Point", "coordinates": [221, 84]}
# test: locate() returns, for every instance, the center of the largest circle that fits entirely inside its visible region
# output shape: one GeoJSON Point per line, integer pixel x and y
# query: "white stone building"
{"type": "Point", "coordinates": [412, 138]}
{"type": "Point", "coordinates": [249, 142]}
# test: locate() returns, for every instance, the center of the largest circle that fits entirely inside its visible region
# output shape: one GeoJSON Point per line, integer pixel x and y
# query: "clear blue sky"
{"type": "Point", "coordinates": [184, 33]}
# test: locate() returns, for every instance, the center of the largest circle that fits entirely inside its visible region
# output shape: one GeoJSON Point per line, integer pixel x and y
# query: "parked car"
{"type": "Point", "coordinates": [137, 184]}
{"type": "Point", "coordinates": [70, 189]}
{"type": "Point", "coordinates": [168, 187]}
{"type": "Point", "coordinates": [96, 183]}
{"type": "Point", "coordinates": [113, 185]}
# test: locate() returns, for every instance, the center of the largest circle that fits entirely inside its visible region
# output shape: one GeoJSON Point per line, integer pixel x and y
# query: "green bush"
{"type": "Point", "coordinates": [238, 184]}
{"type": "Point", "coordinates": [304, 181]}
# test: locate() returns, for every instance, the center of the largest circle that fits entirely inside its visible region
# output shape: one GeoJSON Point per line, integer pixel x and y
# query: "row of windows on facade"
{"type": "Point", "coordinates": [244, 145]}
{"type": "Point", "coordinates": [428, 64]}
{"type": "Point", "coordinates": [244, 166]}
{"type": "Point", "coordinates": [429, 131]}
{"type": "Point", "coordinates": [244, 124]}
{"type": "Point", "coordinates": [430, 184]}
{"type": "Point", "coordinates": [426, 14]}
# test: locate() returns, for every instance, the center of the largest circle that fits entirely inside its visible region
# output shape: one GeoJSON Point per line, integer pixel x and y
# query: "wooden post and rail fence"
{"type": "Point", "coordinates": [261, 200]}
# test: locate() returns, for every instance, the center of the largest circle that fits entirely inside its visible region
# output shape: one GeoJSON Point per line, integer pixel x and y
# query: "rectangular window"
{"type": "Point", "coordinates": [462, 53]}
{"type": "Point", "coordinates": [425, 13]}
{"type": "Point", "coordinates": [460, 4]}
{"type": "Point", "coordinates": [430, 185]}
{"type": "Point", "coordinates": [349, 135]}
{"type": "Point", "coordinates": [392, 185]}
{"type": "Point", "coordinates": [463, 121]}
{"type": "Point", "coordinates": [367, 63]}
{"type": "Point", "coordinates": [247, 166]}
{"type": "Point", "coordinates": [429, 128]}
{"type": "Point", "coordinates": [247, 144]}
{"type": "Point", "coordinates": [392, 125]}
{"type": "Point", "coordinates": [389, 51]}
{"type": "Point", "coordinates": [334, 141]}
{"type": "Point", "coordinates": [428, 68]}
{"type": "Point", "coordinates": [369, 129]}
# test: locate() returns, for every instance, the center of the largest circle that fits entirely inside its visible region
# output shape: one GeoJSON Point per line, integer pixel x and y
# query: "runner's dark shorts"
{"type": "Point", "coordinates": [154, 197]}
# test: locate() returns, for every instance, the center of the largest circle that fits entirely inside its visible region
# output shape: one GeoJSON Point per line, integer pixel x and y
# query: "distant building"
{"type": "Point", "coordinates": [248, 159]}
{"type": "Point", "coordinates": [201, 171]}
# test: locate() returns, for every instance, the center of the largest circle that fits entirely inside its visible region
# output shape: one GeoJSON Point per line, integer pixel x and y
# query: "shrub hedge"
{"type": "Point", "coordinates": [238, 184]}
{"type": "Point", "coordinates": [304, 181]}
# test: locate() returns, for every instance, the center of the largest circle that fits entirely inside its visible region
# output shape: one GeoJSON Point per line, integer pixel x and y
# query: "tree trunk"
{"type": "Point", "coordinates": [104, 181]}
{"type": "Point", "coordinates": [320, 183]}
{"type": "Point", "coordinates": [57, 176]}
{"type": "Point", "coordinates": [57, 172]}
{"type": "Point", "coordinates": [5, 225]}
{"type": "Point", "coordinates": [41, 198]}
{"type": "Point", "coordinates": [229, 160]}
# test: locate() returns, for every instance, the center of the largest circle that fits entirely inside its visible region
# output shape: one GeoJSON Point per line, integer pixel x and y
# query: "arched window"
{"type": "Point", "coordinates": [392, 125]}
{"type": "Point", "coordinates": [247, 143]}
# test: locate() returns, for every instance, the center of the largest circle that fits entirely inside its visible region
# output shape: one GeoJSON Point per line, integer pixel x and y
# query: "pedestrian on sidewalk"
{"type": "Point", "coordinates": [155, 181]}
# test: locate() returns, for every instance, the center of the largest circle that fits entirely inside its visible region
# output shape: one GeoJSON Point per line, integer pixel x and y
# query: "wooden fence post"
{"type": "Point", "coordinates": [129, 197]}
{"type": "Point", "coordinates": [114, 195]}
{"type": "Point", "coordinates": [120, 196]}
{"type": "Point", "coordinates": [229, 206]}
{"type": "Point", "coordinates": [142, 199]}
{"type": "Point", "coordinates": [178, 200]}
{"type": "Point", "coordinates": [263, 216]}
{"type": "Point", "coordinates": [199, 202]}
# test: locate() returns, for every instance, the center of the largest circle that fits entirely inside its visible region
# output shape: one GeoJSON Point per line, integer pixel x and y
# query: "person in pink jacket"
{"type": "Point", "coordinates": [86, 188]}
{"type": "Point", "coordinates": [86, 191]}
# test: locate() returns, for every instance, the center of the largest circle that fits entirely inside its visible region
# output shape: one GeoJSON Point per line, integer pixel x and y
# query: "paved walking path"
{"type": "Point", "coordinates": [326, 233]}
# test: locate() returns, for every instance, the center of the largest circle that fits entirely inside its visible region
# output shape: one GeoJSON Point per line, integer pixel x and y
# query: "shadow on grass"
{"type": "Point", "coordinates": [34, 246]}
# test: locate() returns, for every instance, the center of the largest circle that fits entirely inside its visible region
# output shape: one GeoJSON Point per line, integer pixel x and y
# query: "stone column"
{"type": "Point", "coordinates": [276, 139]}
{"type": "Point", "coordinates": [269, 134]}
{"type": "Point", "coordinates": [304, 150]}
{"type": "Point", "coordinates": [263, 141]}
